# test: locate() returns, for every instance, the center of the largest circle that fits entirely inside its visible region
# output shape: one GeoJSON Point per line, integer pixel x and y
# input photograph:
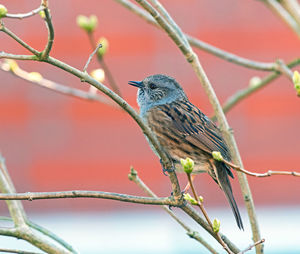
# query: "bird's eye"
{"type": "Point", "coordinates": [152, 86]}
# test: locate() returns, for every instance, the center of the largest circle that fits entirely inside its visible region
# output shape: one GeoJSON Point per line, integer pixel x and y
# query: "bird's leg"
{"type": "Point", "coordinates": [186, 188]}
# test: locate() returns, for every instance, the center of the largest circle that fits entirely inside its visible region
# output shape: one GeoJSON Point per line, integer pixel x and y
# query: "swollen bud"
{"type": "Point", "coordinates": [217, 156]}
{"type": "Point", "coordinates": [10, 65]}
{"type": "Point", "coordinates": [98, 74]}
{"type": "Point", "coordinates": [296, 81]}
{"type": "Point", "coordinates": [88, 24]}
{"type": "Point", "coordinates": [42, 14]}
{"type": "Point", "coordinates": [188, 165]}
{"type": "Point", "coordinates": [190, 199]}
{"type": "Point", "coordinates": [216, 225]}
{"type": "Point", "coordinates": [254, 81]}
{"type": "Point", "coordinates": [104, 43]}
{"type": "Point", "coordinates": [35, 76]}
{"type": "Point", "coordinates": [3, 11]}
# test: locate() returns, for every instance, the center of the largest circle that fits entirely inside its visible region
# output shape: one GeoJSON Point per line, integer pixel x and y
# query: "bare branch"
{"type": "Point", "coordinates": [46, 51]}
{"type": "Point", "coordinates": [266, 174]}
{"type": "Point", "coordinates": [30, 196]}
{"type": "Point", "coordinates": [252, 245]}
{"type": "Point", "coordinates": [200, 205]}
{"type": "Point", "coordinates": [17, 57]}
{"type": "Point", "coordinates": [90, 57]}
{"type": "Point", "coordinates": [232, 58]}
{"type": "Point", "coordinates": [17, 39]}
{"type": "Point", "coordinates": [108, 73]}
{"type": "Point", "coordinates": [25, 15]}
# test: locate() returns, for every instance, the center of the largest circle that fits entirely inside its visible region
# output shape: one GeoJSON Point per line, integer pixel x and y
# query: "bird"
{"type": "Point", "coordinates": [184, 131]}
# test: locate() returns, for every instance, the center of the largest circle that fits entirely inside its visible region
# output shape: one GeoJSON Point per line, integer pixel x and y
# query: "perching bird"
{"type": "Point", "coordinates": [184, 131]}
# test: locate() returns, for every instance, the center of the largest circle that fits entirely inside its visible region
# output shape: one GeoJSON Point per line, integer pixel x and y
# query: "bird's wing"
{"type": "Point", "coordinates": [187, 120]}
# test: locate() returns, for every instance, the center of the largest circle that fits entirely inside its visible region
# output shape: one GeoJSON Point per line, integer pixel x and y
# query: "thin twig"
{"type": "Point", "coordinates": [266, 174]}
{"type": "Point", "coordinates": [30, 196]}
{"type": "Point", "coordinates": [232, 58]}
{"type": "Point", "coordinates": [293, 8]}
{"type": "Point", "coordinates": [48, 47]}
{"type": "Point", "coordinates": [252, 245]}
{"type": "Point", "coordinates": [91, 56]}
{"type": "Point", "coordinates": [200, 205]}
{"type": "Point", "coordinates": [133, 176]}
{"type": "Point", "coordinates": [17, 39]}
{"type": "Point", "coordinates": [108, 74]}
{"type": "Point", "coordinates": [25, 15]}
{"type": "Point", "coordinates": [17, 57]}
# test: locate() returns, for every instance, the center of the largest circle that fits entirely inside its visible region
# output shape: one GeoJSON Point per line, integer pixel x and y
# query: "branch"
{"type": "Point", "coordinates": [241, 94]}
{"type": "Point", "coordinates": [252, 245]}
{"type": "Point", "coordinates": [277, 8]}
{"type": "Point", "coordinates": [192, 58]}
{"type": "Point", "coordinates": [25, 15]}
{"type": "Point", "coordinates": [105, 67]}
{"type": "Point", "coordinates": [46, 51]}
{"type": "Point", "coordinates": [17, 57]}
{"type": "Point", "coordinates": [217, 156]}
{"type": "Point", "coordinates": [17, 39]}
{"type": "Point", "coordinates": [200, 205]}
{"type": "Point", "coordinates": [53, 86]}
{"type": "Point", "coordinates": [30, 196]}
{"type": "Point", "coordinates": [232, 58]}
{"type": "Point", "coordinates": [133, 176]}
{"type": "Point", "coordinates": [90, 57]}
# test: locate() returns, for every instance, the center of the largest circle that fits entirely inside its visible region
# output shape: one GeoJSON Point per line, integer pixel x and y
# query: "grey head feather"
{"type": "Point", "coordinates": [157, 90]}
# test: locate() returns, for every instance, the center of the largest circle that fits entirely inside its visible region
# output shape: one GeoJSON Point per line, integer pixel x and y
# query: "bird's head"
{"type": "Point", "coordinates": [157, 90]}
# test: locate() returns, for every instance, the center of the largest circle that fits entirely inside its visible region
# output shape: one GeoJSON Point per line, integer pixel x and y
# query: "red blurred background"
{"type": "Point", "coordinates": [54, 142]}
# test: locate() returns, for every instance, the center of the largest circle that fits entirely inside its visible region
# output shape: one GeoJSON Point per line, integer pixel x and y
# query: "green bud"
{"type": "Point", "coordinates": [188, 165]}
{"type": "Point", "coordinates": [254, 81]}
{"type": "Point", "coordinates": [132, 174]}
{"type": "Point", "coordinates": [296, 78]}
{"type": "Point", "coordinates": [217, 156]}
{"type": "Point", "coordinates": [201, 199]}
{"type": "Point", "coordinates": [216, 225]}
{"type": "Point", "coordinates": [3, 11]}
{"type": "Point", "coordinates": [42, 14]}
{"type": "Point", "coordinates": [104, 43]}
{"type": "Point", "coordinates": [190, 199]}
{"type": "Point", "coordinates": [88, 24]}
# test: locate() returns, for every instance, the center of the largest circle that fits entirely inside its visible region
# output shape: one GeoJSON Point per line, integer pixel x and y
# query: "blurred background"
{"type": "Point", "coordinates": [53, 142]}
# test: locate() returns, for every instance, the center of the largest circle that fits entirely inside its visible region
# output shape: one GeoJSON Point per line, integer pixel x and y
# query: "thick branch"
{"type": "Point", "coordinates": [30, 196]}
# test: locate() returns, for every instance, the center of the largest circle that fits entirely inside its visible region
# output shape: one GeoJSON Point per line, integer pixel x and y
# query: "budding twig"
{"type": "Point", "coordinates": [252, 245]}
{"type": "Point", "coordinates": [217, 156]}
{"type": "Point", "coordinates": [91, 56]}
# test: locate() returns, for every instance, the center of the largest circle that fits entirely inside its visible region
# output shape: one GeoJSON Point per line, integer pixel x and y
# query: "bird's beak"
{"type": "Point", "coordinates": [138, 84]}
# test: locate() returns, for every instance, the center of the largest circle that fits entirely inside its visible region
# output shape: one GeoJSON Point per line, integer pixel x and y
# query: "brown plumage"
{"type": "Point", "coordinates": [184, 131]}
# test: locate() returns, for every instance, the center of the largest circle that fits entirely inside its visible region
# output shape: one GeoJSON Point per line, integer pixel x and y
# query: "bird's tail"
{"type": "Point", "coordinates": [226, 187]}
